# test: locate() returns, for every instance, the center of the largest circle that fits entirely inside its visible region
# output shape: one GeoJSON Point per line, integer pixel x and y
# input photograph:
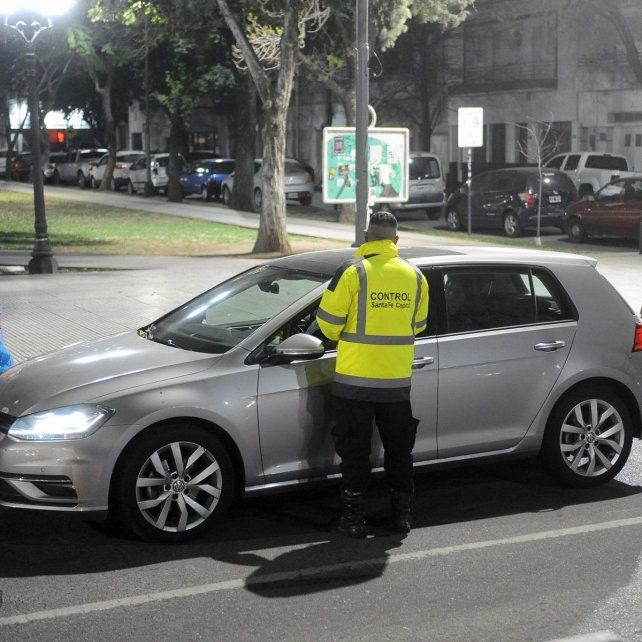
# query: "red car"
{"type": "Point", "coordinates": [616, 210]}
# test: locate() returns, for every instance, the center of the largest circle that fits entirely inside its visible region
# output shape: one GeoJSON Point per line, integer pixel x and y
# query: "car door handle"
{"type": "Point", "coordinates": [420, 362]}
{"type": "Point", "coordinates": [550, 346]}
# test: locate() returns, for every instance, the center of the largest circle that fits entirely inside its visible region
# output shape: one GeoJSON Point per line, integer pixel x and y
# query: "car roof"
{"type": "Point", "coordinates": [327, 261]}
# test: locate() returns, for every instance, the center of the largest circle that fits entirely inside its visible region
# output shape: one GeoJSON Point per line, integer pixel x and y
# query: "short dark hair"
{"type": "Point", "coordinates": [382, 225]}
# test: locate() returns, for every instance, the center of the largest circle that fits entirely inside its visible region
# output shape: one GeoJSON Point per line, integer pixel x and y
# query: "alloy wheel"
{"type": "Point", "coordinates": [511, 225]}
{"type": "Point", "coordinates": [179, 486]}
{"type": "Point", "coordinates": [592, 437]}
{"type": "Point", "coordinates": [453, 221]}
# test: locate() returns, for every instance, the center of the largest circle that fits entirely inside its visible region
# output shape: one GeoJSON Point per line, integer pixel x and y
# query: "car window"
{"type": "Point", "coordinates": [635, 193]}
{"type": "Point", "coordinates": [551, 302]}
{"type": "Point", "coordinates": [90, 155]}
{"type": "Point", "coordinates": [128, 158]}
{"type": "Point", "coordinates": [501, 181]}
{"type": "Point", "coordinates": [221, 318]}
{"type": "Point", "coordinates": [572, 162]}
{"type": "Point", "coordinates": [553, 181]}
{"type": "Point", "coordinates": [483, 299]}
{"type": "Point", "coordinates": [612, 192]}
{"type": "Point", "coordinates": [423, 168]}
{"type": "Point", "coordinates": [480, 183]}
{"type": "Point", "coordinates": [602, 161]}
{"type": "Point", "coordinates": [293, 168]}
{"type": "Point", "coordinates": [163, 161]}
{"type": "Point", "coordinates": [555, 162]}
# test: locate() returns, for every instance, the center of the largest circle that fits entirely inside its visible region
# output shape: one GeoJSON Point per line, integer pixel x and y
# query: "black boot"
{"type": "Point", "coordinates": [353, 521]}
{"type": "Point", "coordinates": [401, 511]}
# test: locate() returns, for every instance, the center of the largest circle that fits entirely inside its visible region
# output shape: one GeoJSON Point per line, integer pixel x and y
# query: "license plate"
{"type": "Point", "coordinates": [554, 199]}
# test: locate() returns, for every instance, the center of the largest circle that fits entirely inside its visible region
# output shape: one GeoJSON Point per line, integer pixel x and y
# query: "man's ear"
{"type": "Point", "coordinates": [396, 239]}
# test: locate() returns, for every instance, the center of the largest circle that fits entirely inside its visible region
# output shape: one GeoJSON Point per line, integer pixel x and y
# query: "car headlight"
{"type": "Point", "coordinates": [72, 422]}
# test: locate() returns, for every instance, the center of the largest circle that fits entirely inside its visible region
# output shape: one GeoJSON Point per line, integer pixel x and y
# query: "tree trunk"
{"type": "Point", "coordinates": [174, 190]}
{"type": "Point", "coordinates": [110, 130]}
{"type": "Point", "coordinates": [4, 106]}
{"type": "Point", "coordinates": [273, 236]}
{"type": "Point", "coordinates": [245, 147]}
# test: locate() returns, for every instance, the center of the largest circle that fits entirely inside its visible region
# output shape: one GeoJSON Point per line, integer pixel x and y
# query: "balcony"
{"type": "Point", "coordinates": [540, 74]}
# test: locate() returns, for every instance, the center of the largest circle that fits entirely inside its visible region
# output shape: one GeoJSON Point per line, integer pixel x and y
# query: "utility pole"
{"type": "Point", "coordinates": [149, 187]}
{"type": "Point", "coordinates": [363, 99]}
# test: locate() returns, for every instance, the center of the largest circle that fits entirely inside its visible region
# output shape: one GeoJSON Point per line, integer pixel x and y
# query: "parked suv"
{"type": "Point", "coordinates": [160, 180]}
{"type": "Point", "coordinates": [426, 186]}
{"type": "Point", "coordinates": [590, 171]}
{"type": "Point", "coordinates": [507, 198]}
{"type": "Point", "coordinates": [74, 168]}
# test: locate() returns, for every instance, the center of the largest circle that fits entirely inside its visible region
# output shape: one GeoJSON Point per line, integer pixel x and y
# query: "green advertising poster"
{"type": "Point", "coordinates": [387, 164]}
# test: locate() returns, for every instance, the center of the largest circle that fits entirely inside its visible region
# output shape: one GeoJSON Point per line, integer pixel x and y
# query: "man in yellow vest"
{"type": "Point", "coordinates": [374, 306]}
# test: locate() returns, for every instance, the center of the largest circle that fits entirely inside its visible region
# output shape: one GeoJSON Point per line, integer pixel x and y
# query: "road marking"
{"type": "Point", "coordinates": [190, 591]}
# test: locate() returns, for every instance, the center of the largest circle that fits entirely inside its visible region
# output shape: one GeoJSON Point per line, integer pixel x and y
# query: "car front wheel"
{"type": "Point", "coordinates": [453, 220]}
{"type": "Point", "coordinates": [588, 437]}
{"type": "Point", "coordinates": [174, 484]}
{"type": "Point", "coordinates": [576, 232]}
{"type": "Point", "coordinates": [205, 193]}
{"type": "Point", "coordinates": [512, 227]}
{"type": "Point", "coordinates": [227, 196]}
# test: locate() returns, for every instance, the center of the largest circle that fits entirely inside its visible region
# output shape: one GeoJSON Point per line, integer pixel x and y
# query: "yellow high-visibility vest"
{"type": "Point", "coordinates": [374, 306]}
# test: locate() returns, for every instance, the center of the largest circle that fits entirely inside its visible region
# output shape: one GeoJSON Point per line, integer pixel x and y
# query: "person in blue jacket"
{"type": "Point", "coordinates": [6, 360]}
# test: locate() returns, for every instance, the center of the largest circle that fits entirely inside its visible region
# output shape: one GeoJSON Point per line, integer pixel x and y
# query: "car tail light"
{"type": "Point", "coordinates": [119, 166]}
{"type": "Point", "coordinates": [637, 341]}
{"type": "Point", "coordinates": [528, 198]}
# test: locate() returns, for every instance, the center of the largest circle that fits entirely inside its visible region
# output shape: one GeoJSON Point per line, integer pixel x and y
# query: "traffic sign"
{"type": "Point", "coordinates": [388, 150]}
{"type": "Point", "coordinates": [470, 127]}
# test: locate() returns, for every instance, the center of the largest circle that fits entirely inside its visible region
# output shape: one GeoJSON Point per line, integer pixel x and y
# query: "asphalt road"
{"type": "Point", "coordinates": [498, 553]}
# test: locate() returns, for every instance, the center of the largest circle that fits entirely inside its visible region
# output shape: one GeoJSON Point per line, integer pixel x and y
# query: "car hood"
{"type": "Point", "coordinates": [88, 370]}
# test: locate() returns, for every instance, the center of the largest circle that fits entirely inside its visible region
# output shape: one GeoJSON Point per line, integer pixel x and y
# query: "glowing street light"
{"type": "Point", "coordinates": [25, 19]}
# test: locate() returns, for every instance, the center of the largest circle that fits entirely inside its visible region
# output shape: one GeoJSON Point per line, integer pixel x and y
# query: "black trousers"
{"type": "Point", "coordinates": [353, 433]}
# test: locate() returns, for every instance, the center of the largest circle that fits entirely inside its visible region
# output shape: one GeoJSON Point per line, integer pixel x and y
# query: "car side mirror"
{"type": "Point", "coordinates": [297, 347]}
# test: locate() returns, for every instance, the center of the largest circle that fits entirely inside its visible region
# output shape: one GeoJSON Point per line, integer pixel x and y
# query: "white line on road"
{"type": "Point", "coordinates": [271, 578]}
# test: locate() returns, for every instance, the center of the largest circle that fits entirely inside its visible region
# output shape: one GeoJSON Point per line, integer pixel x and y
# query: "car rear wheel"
{"type": "Point", "coordinates": [512, 227]}
{"type": "Point", "coordinates": [227, 196]}
{"type": "Point", "coordinates": [205, 193]}
{"type": "Point", "coordinates": [453, 220]}
{"type": "Point", "coordinates": [258, 200]}
{"type": "Point", "coordinates": [588, 437]}
{"type": "Point", "coordinates": [576, 232]}
{"type": "Point", "coordinates": [175, 482]}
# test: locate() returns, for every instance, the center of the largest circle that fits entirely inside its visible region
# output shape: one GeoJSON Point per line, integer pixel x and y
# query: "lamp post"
{"type": "Point", "coordinates": [42, 258]}
{"type": "Point", "coordinates": [362, 100]}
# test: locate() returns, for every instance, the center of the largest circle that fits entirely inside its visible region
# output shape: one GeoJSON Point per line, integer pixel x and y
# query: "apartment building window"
{"type": "Point", "coordinates": [521, 55]}
{"type": "Point", "coordinates": [137, 140]}
{"type": "Point", "coordinates": [627, 140]}
{"type": "Point", "coordinates": [638, 140]}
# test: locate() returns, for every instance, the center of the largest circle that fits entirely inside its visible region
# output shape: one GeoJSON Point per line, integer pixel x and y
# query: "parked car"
{"type": "Point", "coordinates": [3, 161]}
{"type": "Point", "coordinates": [427, 186]}
{"type": "Point", "coordinates": [590, 171]}
{"type": "Point", "coordinates": [229, 393]}
{"type": "Point", "coordinates": [297, 184]}
{"type": "Point", "coordinates": [74, 167]}
{"type": "Point", "coordinates": [507, 198]}
{"type": "Point", "coordinates": [616, 210]}
{"type": "Point", "coordinates": [138, 174]}
{"type": "Point", "coordinates": [49, 170]}
{"type": "Point", "coordinates": [120, 178]}
{"type": "Point", "coordinates": [204, 177]}
{"type": "Point", "coordinates": [21, 166]}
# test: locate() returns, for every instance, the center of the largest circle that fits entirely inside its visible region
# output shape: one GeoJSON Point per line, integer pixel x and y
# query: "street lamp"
{"type": "Point", "coordinates": [25, 19]}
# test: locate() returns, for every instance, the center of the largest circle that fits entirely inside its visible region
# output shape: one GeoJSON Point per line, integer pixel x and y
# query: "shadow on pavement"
{"type": "Point", "coordinates": [37, 544]}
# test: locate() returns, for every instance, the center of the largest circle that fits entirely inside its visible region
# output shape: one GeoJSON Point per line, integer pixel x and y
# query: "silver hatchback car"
{"type": "Point", "coordinates": [525, 352]}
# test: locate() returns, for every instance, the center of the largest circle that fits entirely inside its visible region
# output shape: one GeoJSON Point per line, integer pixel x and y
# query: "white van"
{"type": "Point", "coordinates": [427, 186]}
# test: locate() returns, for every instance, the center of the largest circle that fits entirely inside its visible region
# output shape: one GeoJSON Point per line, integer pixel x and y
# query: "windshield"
{"type": "Point", "coordinates": [222, 317]}
{"type": "Point", "coordinates": [423, 167]}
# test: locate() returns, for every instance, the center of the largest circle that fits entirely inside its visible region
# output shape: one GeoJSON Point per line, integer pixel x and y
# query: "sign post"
{"type": "Point", "coordinates": [387, 171]}
{"type": "Point", "coordinates": [470, 133]}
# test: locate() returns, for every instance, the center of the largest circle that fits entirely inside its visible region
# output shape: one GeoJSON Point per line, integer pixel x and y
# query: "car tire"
{"type": "Point", "coordinates": [258, 200]}
{"type": "Point", "coordinates": [512, 226]}
{"type": "Point", "coordinates": [227, 196]}
{"type": "Point", "coordinates": [205, 194]}
{"type": "Point", "coordinates": [171, 507]}
{"type": "Point", "coordinates": [130, 188]}
{"type": "Point", "coordinates": [81, 180]}
{"type": "Point", "coordinates": [575, 230]}
{"type": "Point", "coordinates": [112, 185]}
{"type": "Point", "coordinates": [453, 220]}
{"type": "Point", "coordinates": [306, 200]}
{"type": "Point", "coordinates": [569, 442]}
{"type": "Point", "coordinates": [433, 213]}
